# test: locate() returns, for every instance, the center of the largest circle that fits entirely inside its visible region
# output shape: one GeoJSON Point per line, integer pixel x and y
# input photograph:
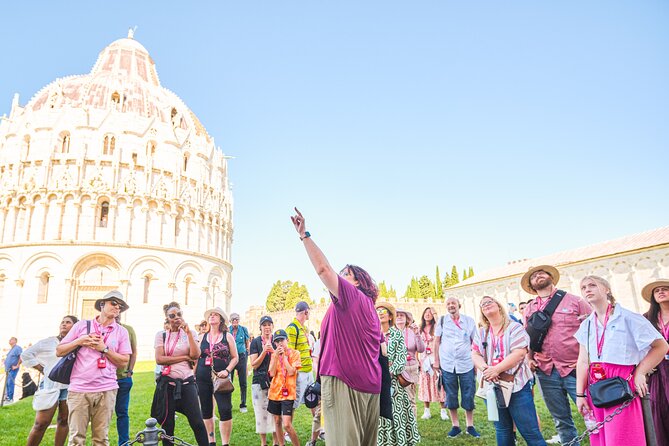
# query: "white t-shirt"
{"type": "Point", "coordinates": [627, 337]}
{"type": "Point", "coordinates": [178, 341]}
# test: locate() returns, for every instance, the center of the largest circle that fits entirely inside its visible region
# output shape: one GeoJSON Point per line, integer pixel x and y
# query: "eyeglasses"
{"type": "Point", "coordinates": [175, 315]}
{"type": "Point", "coordinates": [381, 311]}
{"type": "Point", "coordinates": [486, 303]}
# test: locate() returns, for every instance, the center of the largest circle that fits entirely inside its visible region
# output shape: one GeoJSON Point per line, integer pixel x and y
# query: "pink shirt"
{"type": "Point", "coordinates": [179, 342]}
{"type": "Point", "coordinates": [86, 376]}
{"type": "Point", "coordinates": [560, 348]}
{"type": "Point", "coordinates": [351, 339]}
{"type": "Point", "coordinates": [414, 344]}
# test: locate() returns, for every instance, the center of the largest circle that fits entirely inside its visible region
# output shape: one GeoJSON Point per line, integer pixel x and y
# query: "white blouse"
{"type": "Point", "coordinates": [43, 353]}
{"type": "Point", "coordinates": [627, 338]}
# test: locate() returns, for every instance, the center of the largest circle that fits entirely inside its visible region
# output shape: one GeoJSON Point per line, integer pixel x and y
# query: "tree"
{"type": "Point", "coordinates": [285, 295]}
{"type": "Point", "coordinates": [438, 287]}
{"type": "Point", "coordinates": [383, 290]}
{"type": "Point", "coordinates": [455, 278]}
{"type": "Point", "coordinates": [464, 274]}
{"type": "Point", "coordinates": [471, 272]}
{"type": "Point", "coordinates": [413, 290]}
{"type": "Point", "coordinates": [392, 293]}
{"type": "Point", "coordinates": [426, 288]}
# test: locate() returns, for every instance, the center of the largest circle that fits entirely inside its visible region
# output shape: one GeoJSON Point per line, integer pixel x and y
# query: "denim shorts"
{"type": "Point", "coordinates": [62, 396]}
{"type": "Point", "coordinates": [467, 386]}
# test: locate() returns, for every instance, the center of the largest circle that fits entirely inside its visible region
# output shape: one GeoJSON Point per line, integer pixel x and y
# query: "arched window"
{"type": "Point", "coordinates": [186, 156]}
{"type": "Point", "coordinates": [116, 98]}
{"type": "Point", "coordinates": [134, 158]}
{"type": "Point", "coordinates": [104, 214]}
{"type": "Point", "coordinates": [150, 149]}
{"type": "Point", "coordinates": [109, 145]}
{"type": "Point", "coordinates": [147, 284]}
{"type": "Point", "coordinates": [65, 143]}
{"type": "Point", "coordinates": [26, 139]}
{"type": "Point", "coordinates": [43, 288]}
{"type": "Point", "coordinates": [187, 284]}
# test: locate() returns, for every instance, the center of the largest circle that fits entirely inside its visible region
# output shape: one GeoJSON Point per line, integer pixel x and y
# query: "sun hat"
{"type": "Point", "coordinates": [548, 269]}
{"type": "Point", "coordinates": [112, 295]}
{"type": "Point", "coordinates": [390, 307]}
{"type": "Point", "coordinates": [647, 291]}
{"type": "Point", "coordinates": [216, 310]}
{"type": "Point", "coordinates": [407, 313]}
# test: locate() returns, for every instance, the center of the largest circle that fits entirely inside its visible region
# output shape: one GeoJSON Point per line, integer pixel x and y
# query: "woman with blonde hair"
{"type": "Point", "coordinates": [500, 351]}
{"type": "Point", "coordinates": [428, 389]}
{"type": "Point", "coordinates": [615, 342]}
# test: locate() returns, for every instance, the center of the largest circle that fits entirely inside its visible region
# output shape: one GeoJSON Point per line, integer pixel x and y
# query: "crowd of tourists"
{"type": "Point", "coordinates": [362, 375]}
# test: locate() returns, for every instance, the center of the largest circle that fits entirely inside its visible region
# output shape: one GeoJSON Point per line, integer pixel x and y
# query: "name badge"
{"type": "Point", "coordinates": [207, 361]}
{"type": "Point", "coordinates": [102, 363]}
{"type": "Point", "coordinates": [166, 370]}
{"type": "Point", "coordinates": [284, 392]}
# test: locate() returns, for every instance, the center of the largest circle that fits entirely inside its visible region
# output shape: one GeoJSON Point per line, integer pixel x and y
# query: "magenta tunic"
{"type": "Point", "coordinates": [627, 427]}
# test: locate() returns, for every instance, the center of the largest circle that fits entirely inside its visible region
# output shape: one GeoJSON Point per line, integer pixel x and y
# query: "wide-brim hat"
{"type": "Point", "coordinates": [408, 315]}
{"type": "Point", "coordinates": [550, 270]}
{"type": "Point", "coordinates": [390, 307]}
{"type": "Point", "coordinates": [113, 295]}
{"type": "Point", "coordinates": [217, 310]}
{"type": "Point", "coordinates": [647, 291]}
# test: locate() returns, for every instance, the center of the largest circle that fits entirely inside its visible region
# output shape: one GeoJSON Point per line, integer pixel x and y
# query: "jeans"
{"type": "Point", "coordinates": [557, 391]}
{"type": "Point", "coordinates": [11, 382]}
{"type": "Point", "coordinates": [241, 369]}
{"type": "Point", "coordinates": [122, 403]}
{"type": "Point", "coordinates": [521, 411]}
{"type": "Point", "coordinates": [467, 388]}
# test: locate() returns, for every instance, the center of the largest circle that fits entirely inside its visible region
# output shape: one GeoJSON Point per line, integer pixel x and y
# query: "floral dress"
{"type": "Point", "coordinates": [403, 429]}
{"type": "Point", "coordinates": [428, 391]}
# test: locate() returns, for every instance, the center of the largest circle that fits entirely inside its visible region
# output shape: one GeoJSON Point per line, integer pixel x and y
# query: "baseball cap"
{"type": "Point", "coordinates": [279, 335]}
{"type": "Point", "coordinates": [266, 319]}
{"type": "Point", "coordinates": [301, 306]}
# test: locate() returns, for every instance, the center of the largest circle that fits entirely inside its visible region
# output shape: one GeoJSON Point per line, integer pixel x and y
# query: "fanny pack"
{"type": "Point", "coordinates": [540, 321]}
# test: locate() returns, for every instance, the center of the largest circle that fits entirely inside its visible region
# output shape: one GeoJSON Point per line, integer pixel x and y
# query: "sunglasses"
{"type": "Point", "coordinates": [115, 303]}
{"type": "Point", "coordinates": [381, 311]}
{"type": "Point", "coordinates": [175, 315]}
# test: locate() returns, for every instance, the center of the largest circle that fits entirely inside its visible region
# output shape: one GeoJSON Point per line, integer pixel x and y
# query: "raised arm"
{"type": "Point", "coordinates": [326, 273]}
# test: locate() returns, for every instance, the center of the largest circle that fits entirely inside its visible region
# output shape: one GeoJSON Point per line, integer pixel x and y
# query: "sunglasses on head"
{"type": "Point", "coordinates": [174, 315]}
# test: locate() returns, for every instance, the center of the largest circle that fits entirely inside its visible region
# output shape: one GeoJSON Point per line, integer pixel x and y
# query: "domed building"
{"type": "Point", "coordinates": [109, 181]}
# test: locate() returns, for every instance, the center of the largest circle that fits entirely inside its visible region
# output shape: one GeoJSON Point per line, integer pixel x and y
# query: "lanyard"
{"type": "Point", "coordinates": [600, 341]}
{"type": "Point", "coordinates": [457, 322]}
{"type": "Point", "coordinates": [214, 341]}
{"type": "Point", "coordinates": [168, 350]}
{"type": "Point", "coordinates": [664, 328]}
{"type": "Point", "coordinates": [99, 333]}
{"type": "Point", "coordinates": [499, 344]}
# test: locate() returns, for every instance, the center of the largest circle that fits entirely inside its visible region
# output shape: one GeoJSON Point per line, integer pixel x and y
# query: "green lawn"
{"type": "Point", "coordinates": [16, 420]}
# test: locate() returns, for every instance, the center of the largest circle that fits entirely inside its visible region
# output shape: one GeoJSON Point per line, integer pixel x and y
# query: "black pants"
{"type": "Point", "coordinates": [189, 405]}
{"type": "Point", "coordinates": [241, 369]}
{"type": "Point", "coordinates": [205, 390]}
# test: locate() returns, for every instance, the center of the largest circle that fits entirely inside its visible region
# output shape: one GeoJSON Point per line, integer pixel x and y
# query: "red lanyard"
{"type": "Point", "coordinates": [600, 341]}
{"type": "Point", "coordinates": [664, 328]}
{"type": "Point", "coordinates": [499, 343]}
{"type": "Point", "coordinates": [169, 351]}
{"type": "Point", "coordinates": [457, 322]}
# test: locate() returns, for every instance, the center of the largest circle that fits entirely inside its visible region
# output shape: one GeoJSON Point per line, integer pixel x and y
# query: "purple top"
{"type": "Point", "coordinates": [351, 340]}
{"type": "Point", "coordinates": [86, 376]}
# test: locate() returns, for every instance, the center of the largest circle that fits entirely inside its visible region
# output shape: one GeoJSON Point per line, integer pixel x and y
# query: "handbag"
{"type": "Point", "coordinates": [221, 385]}
{"type": "Point", "coordinates": [609, 392]}
{"type": "Point", "coordinates": [62, 371]}
{"type": "Point", "coordinates": [503, 388]}
{"type": "Point", "coordinates": [404, 379]}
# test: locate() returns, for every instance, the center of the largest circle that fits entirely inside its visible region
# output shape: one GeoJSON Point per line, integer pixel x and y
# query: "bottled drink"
{"type": "Point", "coordinates": [590, 422]}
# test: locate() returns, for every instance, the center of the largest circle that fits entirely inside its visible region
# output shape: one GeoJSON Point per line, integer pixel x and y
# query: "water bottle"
{"type": "Point", "coordinates": [590, 422]}
{"type": "Point", "coordinates": [491, 402]}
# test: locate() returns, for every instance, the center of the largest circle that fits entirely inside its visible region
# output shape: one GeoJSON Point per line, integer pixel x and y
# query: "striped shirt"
{"type": "Point", "coordinates": [514, 337]}
{"type": "Point", "coordinates": [298, 340]}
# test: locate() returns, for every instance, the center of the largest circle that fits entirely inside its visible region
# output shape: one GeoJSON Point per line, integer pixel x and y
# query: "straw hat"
{"type": "Point", "coordinates": [647, 291]}
{"type": "Point", "coordinates": [408, 315]}
{"type": "Point", "coordinates": [390, 307]}
{"type": "Point", "coordinates": [550, 270]}
{"type": "Point", "coordinates": [216, 310]}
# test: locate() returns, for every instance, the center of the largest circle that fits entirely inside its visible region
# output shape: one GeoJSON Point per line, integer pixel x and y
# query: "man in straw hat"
{"type": "Point", "coordinates": [93, 386]}
{"type": "Point", "coordinates": [351, 335]}
{"type": "Point", "coordinates": [555, 360]}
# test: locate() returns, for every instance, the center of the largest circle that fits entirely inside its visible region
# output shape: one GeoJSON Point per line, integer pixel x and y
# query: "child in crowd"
{"type": "Point", "coordinates": [283, 368]}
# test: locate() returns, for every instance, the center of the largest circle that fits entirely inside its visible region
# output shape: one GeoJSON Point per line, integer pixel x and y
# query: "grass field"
{"type": "Point", "coordinates": [16, 420]}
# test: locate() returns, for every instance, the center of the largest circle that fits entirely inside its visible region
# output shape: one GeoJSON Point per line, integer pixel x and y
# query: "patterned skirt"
{"type": "Point", "coordinates": [264, 419]}
{"type": "Point", "coordinates": [427, 388]}
{"type": "Point", "coordinates": [403, 429]}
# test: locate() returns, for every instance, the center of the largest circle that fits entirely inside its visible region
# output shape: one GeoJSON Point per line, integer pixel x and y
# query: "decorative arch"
{"type": "Point", "coordinates": [39, 257]}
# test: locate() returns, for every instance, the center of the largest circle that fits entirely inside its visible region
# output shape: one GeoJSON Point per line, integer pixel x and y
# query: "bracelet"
{"type": "Point", "coordinates": [580, 395]}
{"type": "Point", "coordinates": [306, 235]}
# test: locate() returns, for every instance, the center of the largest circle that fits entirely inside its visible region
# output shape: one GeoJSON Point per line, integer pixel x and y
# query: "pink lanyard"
{"type": "Point", "coordinates": [457, 323]}
{"type": "Point", "coordinates": [105, 337]}
{"type": "Point", "coordinates": [406, 343]}
{"type": "Point", "coordinates": [499, 343]}
{"type": "Point", "coordinates": [600, 341]}
{"type": "Point", "coordinates": [542, 303]}
{"type": "Point", "coordinates": [169, 351]}
{"type": "Point", "coordinates": [664, 328]}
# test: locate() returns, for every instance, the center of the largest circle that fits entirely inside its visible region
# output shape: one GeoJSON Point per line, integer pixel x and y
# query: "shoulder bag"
{"type": "Point", "coordinates": [540, 321]}
{"type": "Point", "coordinates": [221, 385]}
{"type": "Point", "coordinates": [609, 392]}
{"type": "Point", "coordinates": [62, 371]}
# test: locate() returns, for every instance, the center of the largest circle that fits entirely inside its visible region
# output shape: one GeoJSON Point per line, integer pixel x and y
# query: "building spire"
{"type": "Point", "coordinates": [131, 32]}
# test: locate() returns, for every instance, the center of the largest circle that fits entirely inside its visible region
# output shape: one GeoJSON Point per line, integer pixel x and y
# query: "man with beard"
{"type": "Point", "coordinates": [454, 335]}
{"type": "Point", "coordinates": [555, 361]}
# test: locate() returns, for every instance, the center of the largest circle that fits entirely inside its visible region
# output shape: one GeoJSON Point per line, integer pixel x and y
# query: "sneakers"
{"type": "Point", "coordinates": [310, 443]}
{"type": "Point", "coordinates": [426, 414]}
{"type": "Point", "coordinates": [286, 438]}
{"type": "Point", "coordinates": [454, 432]}
{"type": "Point", "coordinates": [444, 414]}
{"type": "Point", "coordinates": [243, 409]}
{"type": "Point", "coordinates": [555, 439]}
{"type": "Point", "coordinates": [321, 436]}
{"type": "Point", "coordinates": [473, 432]}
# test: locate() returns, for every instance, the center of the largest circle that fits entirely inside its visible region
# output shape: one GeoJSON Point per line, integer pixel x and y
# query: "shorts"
{"type": "Point", "coordinates": [281, 407]}
{"type": "Point", "coordinates": [467, 384]}
{"type": "Point", "coordinates": [62, 396]}
{"type": "Point", "coordinates": [304, 379]}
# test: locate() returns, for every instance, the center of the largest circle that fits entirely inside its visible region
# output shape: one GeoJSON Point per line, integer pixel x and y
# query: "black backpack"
{"type": "Point", "coordinates": [539, 322]}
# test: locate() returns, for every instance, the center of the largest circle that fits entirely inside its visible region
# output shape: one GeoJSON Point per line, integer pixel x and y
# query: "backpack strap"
{"type": "Point", "coordinates": [88, 327]}
{"type": "Point", "coordinates": [297, 333]}
{"type": "Point", "coordinates": [555, 301]}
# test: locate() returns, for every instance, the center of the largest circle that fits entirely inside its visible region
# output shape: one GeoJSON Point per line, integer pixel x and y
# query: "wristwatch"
{"type": "Point", "coordinates": [106, 350]}
{"type": "Point", "coordinates": [306, 235]}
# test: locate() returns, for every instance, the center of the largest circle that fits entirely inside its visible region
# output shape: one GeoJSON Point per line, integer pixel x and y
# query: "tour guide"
{"type": "Point", "coordinates": [92, 392]}
{"type": "Point", "coordinates": [349, 367]}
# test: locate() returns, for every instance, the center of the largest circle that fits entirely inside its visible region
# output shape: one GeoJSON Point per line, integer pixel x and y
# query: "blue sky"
{"type": "Point", "coordinates": [410, 134]}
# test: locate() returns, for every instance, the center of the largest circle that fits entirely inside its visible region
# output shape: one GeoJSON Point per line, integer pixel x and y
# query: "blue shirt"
{"type": "Point", "coordinates": [13, 357]}
{"type": "Point", "coordinates": [241, 336]}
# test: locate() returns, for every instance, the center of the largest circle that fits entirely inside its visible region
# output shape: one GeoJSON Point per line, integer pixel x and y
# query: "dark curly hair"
{"type": "Point", "coordinates": [365, 282]}
{"type": "Point", "coordinates": [171, 305]}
